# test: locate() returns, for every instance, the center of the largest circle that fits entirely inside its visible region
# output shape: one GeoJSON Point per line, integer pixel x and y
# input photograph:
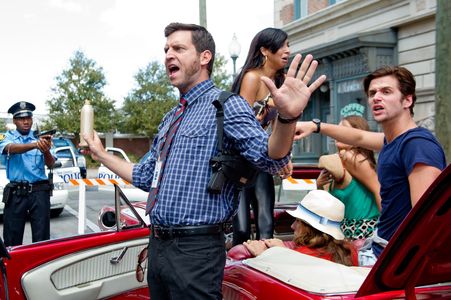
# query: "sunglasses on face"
{"type": "Point", "coordinates": [142, 256]}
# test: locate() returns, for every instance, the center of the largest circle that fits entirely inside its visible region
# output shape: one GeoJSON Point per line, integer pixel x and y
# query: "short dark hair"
{"type": "Point", "coordinates": [269, 38]}
{"type": "Point", "coordinates": [406, 81]}
{"type": "Point", "coordinates": [201, 38]}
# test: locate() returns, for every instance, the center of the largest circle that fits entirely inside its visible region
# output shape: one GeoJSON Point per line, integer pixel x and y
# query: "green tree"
{"type": "Point", "coordinates": [153, 96]}
{"type": "Point", "coordinates": [2, 125]}
{"type": "Point", "coordinates": [83, 80]}
{"type": "Point", "coordinates": [146, 104]}
{"type": "Point", "coordinates": [220, 76]}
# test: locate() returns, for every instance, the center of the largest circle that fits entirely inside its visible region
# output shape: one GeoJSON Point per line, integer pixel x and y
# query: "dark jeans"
{"type": "Point", "coordinates": [189, 267]}
{"type": "Point", "coordinates": [261, 198]}
{"type": "Point", "coordinates": [37, 205]}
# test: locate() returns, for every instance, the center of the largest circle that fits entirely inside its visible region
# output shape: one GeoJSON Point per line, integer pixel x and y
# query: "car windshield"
{"type": "Point", "coordinates": [65, 157]}
{"type": "Point", "coordinates": [60, 142]}
{"type": "Point", "coordinates": [63, 142]}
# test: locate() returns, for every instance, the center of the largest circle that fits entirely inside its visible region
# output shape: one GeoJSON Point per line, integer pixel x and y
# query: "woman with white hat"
{"type": "Point", "coordinates": [317, 230]}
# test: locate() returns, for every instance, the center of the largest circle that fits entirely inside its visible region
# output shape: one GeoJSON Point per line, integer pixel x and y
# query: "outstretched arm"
{"type": "Point", "coordinates": [290, 100]}
{"type": "Point", "coordinates": [43, 144]}
{"type": "Point", "coordinates": [351, 136]}
{"type": "Point", "coordinates": [119, 166]}
{"type": "Point", "coordinates": [255, 247]}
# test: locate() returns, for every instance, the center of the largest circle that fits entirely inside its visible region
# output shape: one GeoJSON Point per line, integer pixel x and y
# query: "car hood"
{"type": "Point", "coordinates": [419, 252]}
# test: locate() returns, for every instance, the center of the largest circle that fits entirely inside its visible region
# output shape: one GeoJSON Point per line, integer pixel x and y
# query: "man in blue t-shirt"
{"type": "Point", "coordinates": [410, 157]}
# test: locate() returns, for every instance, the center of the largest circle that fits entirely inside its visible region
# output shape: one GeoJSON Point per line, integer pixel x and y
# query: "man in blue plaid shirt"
{"type": "Point", "coordinates": [186, 245]}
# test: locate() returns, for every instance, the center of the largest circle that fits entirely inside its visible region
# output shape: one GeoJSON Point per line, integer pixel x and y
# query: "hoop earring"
{"type": "Point", "coordinates": [264, 61]}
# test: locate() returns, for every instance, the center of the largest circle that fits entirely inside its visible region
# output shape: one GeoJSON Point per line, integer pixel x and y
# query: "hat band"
{"type": "Point", "coordinates": [322, 220]}
{"type": "Point", "coordinates": [24, 111]}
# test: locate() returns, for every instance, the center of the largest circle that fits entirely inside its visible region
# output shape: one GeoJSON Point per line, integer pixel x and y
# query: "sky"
{"type": "Point", "coordinates": [38, 38]}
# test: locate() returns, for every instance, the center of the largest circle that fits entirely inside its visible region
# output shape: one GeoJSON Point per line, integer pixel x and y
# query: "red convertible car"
{"type": "Point", "coordinates": [282, 220]}
{"type": "Point", "coordinates": [102, 265]}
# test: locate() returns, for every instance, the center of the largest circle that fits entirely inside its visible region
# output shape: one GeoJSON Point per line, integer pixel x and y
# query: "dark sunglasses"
{"type": "Point", "coordinates": [142, 256]}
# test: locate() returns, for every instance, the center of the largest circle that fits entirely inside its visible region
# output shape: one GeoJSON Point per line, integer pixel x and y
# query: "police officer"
{"type": "Point", "coordinates": [28, 192]}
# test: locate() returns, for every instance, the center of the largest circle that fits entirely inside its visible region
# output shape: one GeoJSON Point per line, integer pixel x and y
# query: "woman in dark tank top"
{"type": "Point", "coordinates": [268, 55]}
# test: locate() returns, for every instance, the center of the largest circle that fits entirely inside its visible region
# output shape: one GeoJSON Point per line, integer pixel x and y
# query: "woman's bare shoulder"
{"type": "Point", "coordinates": [252, 76]}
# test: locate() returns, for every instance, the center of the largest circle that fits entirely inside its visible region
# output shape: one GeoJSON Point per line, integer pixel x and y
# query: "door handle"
{"type": "Point", "coordinates": [117, 259]}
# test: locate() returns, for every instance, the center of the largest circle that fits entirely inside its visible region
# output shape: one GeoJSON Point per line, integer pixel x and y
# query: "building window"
{"type": "Point", "coordinates": [300, 9]}
{"type": "Point", "coordinates": [332, 2]}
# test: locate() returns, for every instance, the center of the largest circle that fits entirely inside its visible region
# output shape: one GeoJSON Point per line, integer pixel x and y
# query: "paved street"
{"type": "Point", "coordinates": [67, 223]}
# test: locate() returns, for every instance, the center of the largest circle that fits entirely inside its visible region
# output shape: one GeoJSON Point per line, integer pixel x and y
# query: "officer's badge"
{"type": "Point", "coordinates": [23, 104]}
{"type": "Point", "coordinates": [2, 137]}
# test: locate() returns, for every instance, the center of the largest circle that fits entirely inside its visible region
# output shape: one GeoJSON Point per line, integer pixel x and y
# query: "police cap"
{"type": "Point", "coordinates": [22, 109]}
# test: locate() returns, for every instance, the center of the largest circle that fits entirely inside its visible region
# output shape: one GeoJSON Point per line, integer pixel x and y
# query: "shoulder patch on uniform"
{"type": "Point", "coordinates": [2, 137]}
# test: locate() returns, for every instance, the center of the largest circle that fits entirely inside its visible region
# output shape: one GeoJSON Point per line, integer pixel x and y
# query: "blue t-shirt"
{"type": "Point", "coordinates": [396, 161]}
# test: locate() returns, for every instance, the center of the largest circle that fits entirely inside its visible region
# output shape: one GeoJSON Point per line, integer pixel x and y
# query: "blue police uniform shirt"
{"type": "Point", "coordinates": [28, 166]}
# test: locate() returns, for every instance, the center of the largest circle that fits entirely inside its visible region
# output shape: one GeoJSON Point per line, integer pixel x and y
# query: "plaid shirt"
{"type": "Point", "coordinates": [182, 197]}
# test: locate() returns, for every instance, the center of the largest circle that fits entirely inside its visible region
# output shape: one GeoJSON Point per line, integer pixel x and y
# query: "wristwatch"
{"type": "Point", "coordinates": [318, 125]}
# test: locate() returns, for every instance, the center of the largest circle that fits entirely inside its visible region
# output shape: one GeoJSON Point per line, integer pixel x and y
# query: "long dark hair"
{"type": "Point", "coordinates": [360, 123]}
{"type": "Point", "coordinates": [269, 38]}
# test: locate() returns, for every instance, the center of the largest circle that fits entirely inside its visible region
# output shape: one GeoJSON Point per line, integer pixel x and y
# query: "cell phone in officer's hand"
{"type": "Point", "coordinates": [47, 132]}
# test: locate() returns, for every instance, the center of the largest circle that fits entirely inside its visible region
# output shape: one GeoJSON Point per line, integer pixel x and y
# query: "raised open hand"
{"type": "Point", "coordinates": [292, 97]}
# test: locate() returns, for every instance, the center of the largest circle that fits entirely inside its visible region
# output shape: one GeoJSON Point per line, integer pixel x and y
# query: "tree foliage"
{"type": "Point", "coordinates": [143, 108]}
{"type": "Point", "coordinates": [146, 104]}
{"type": "Point", "coordinates": [220, 76]}
{"type": "Point", "coordinates": [153, 96]}
{"type": "Point", "coordinates": [83, 80]}
{"type": "Point", "coordinates": [2, 126]}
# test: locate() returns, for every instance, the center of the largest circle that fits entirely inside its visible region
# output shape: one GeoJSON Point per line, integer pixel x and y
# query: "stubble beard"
{"type": "Point", "coordinates": [190, 76]}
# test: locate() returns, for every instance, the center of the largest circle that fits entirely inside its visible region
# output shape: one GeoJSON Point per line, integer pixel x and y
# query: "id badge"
{"type": "Point", "coordinates": [156, 174]}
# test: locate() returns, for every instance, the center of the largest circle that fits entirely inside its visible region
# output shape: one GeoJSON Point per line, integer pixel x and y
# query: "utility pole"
{"type": "Point", "coordinates": [443, 75]}
{"type": "Point", "coordinates": [203, 13]}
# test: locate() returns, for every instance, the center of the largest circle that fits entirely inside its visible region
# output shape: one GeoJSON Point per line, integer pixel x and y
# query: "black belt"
{"type": "Point", "coordinates": [167, 233]}
{"type": "Point", "coordinates": [26, 187]}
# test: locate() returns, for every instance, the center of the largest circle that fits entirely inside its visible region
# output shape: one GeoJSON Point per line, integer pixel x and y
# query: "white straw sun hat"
{"type": "Point", "coordinates": [322, 211]}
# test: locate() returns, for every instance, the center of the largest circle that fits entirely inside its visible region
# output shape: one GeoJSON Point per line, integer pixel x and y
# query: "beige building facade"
{"type": "Point", "coordinates": [351, 38]}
